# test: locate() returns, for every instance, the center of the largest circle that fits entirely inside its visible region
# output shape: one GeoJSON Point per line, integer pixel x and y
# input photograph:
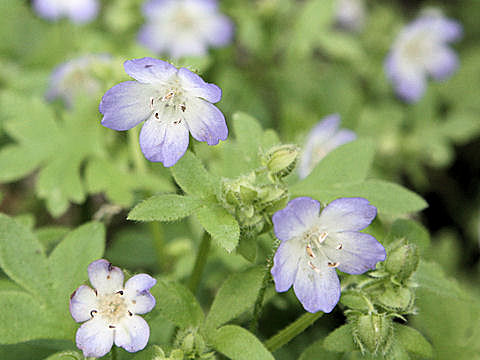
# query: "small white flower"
{"type": "Point", "coordinates": [350, 14]}
{"type": "Point", "coordinates": [110, 310]}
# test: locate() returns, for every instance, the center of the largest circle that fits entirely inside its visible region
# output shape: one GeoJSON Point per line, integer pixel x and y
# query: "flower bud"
{"type": "Point", "coordinates": [281, 160]}
{"type": "Point", "coordinates": [397, 299]}
{"type": "Point", "coordinates": [373, 333]}
{"type": "Point", "coordinates": [402, 260]}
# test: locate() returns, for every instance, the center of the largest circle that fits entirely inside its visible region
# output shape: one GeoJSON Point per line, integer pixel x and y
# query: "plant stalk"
{"type": "Point", "coordinates": [200, 262]}
{"type": "Point", "coordinates": [135, 152]}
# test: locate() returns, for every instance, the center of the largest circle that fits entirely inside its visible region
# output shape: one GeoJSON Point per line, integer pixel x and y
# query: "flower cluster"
{"type": "Point", "coordinates": [313, 246]}
{"type": "Point", "coordinates": [79, 11]}
{"type": "Point", "coordinates": [109, 310]}
{"type": "Point", "coordinates": [421, 50]}
{"type": "Point", "coordinates": [184, 27]}
{"type": "Point", "coordinates": [174, 102]}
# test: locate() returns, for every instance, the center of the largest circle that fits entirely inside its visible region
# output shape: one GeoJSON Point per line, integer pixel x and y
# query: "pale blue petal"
{"type": "Point", "coordinates": [82, 302]}
{"type": "Point", "coordinates": [95, 338]}
{"type": "Point", "coordinates": [196, 86]}
{"type": "Point", "coordinates": [136, 292]}
{"type": "Point", "coordinates": [205, 121]}
{"type": "Point", "coordinates": [285, 263]}
{"type": "Point", "coordinates": [296, 218]}
{"type": "Point", "coordinates": [149, 70]}
{"type": "Point", "coordinates": [132, 333]}
{"type": "Point", "coordinates": [442, 64]}
{"type": "Point", "coordinates": [104, 277]}
{"type": "Point", "coordinates": [347, 214]}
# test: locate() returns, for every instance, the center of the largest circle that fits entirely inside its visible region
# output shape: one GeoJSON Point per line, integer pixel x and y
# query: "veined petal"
{"type": "Point", "coordinates": [126, 104]}
{"type": "Point", "coordinates": [82, 302]}
{"type": "Point", "coordinates": [205, 121]}
{"type": "Point", "coordinates": [285, 263]}
{"type": "Point", "coordinates": [296, 218]}
{"type": "Point", "coordinates": [149, 70]}
{"type": "Point", "coordinates": [442, 64]}
{"type": "Point", "coordinates": [132, 333]}
{"type": "Point", "coordinates": [317, 289]}
{"type": "Point", "coordinates": [197, 87]}
{"type": "Point", "coordinates": [104, 277]}
{"type": "Point", "coordinates": [359, 252]}
{"type": "Point", "coordinates": [94, 338]}
{"type": "Point", "coordinates": [137, 294]}
{"type": "Point", "coordinates": [347, 214]}
{"type": "Point", "coordinates": [164, 141]}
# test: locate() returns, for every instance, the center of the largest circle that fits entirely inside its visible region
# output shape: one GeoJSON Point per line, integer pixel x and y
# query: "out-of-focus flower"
{"type": "Point", "coordinates": [173, 102]}
{"type": "Point", "coordinates": [350, 14]}
{"type": "Point", "coordinates": [313, 245]}
{"type": "Point", "coordinates": [76, 77]}
{"type": "Point", "coordinates": [323, 138]}
{"type": "Point", "coordinates": [79, 11]}
{"type": "Point", "coordinates": [421, 49]}
{"type": "Point", "coordinates": [184, 27]}
{"type": "Point", "coordinates": [109, 310]}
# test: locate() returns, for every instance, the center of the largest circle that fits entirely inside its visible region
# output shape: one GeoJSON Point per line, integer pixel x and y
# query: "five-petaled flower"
{"type": "Point", "coordinates": [184, 27]}
{"type": "Point", "coordinates": [323, 138]}
{"type": "Point", "coordinates": [421, 49]}
{"type": "Point", "coordinates": [173, 102]}
{"type": "Point", "coordinates": [79, 11]}
{"type": "Point", "coordinates": [110, 310]}
{"type": "Point", "coordinates": [313, 246]}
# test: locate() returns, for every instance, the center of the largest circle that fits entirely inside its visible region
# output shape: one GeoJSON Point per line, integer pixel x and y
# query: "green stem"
{"type": "Point", "coordinates": [135, 152]}
{"type": "Point", "coordinates": [114, 353]}
{"type": "Point", "coordinates": [291, 331]}
{"type": "Point", "coordinates": [200, 262]}
{"type": "Point", "coordinates": [156, 230]}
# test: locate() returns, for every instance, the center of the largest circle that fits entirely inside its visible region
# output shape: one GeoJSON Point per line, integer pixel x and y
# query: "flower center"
{"type": "Point", "coordinates": [112, 307]}
{"type": "Point", "coordinates": [170, 105]}
{"type": "Point", "coordinates": [315, 240]}
{"type": "Point", "coordinates": [418, 49]}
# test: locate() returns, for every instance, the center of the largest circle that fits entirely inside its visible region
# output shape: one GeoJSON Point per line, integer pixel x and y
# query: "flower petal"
{"type": "Point", "coordinates": [94, 338]}
{"type": "Point", "coordinates": [125, 105]}
{"type": "Point", "coordinates": [442, 64]}
{"type": "Point", "coordinates": [104, 277]}
{"type": "Point", "coordinates": [347, 214]}
{"type": "Point", "coordinates": [163, 141]}
{"type": "Point", "coordinates": [149, 70]}
{"type": "Point", "coordinates": [285, 264]}
{"type": "Point", "coordinates": [132, 333]}
{"type": "Point", "coordinates": [47, 9]}
{"type": "Point", "coordinates": [82, 11]}
{"type": "Point", "coordinates": [82, 302]}
{"type": "Point", "coordinates": [409, 80]}
{"type": "Point", "coordinates": [137, 294]}
{"type": "Point", "coordinates": [359, 252]}
{"type": "Point", "coordinates": [296, 218]}
{"type": "Point", "coordinates": [317, 289]}
{"type": "Point", "coordinates": [219, 30]}
{"type": "Point", "coordinates": [197, 87]}
{"type": "Point", "coordinates": [205, 121]}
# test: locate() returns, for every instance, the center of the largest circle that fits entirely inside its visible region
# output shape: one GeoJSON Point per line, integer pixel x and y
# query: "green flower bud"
{"type": "Point", "coordinates": [397, 299]}
{"type": "Point", "coordinates": [176, 354]}
{"type": "Point", "coordinates": [402, 260]}
{"type": "Point", "coordinates": [373, 333]}
{"type": "Point", "coordinates": [281, 160]}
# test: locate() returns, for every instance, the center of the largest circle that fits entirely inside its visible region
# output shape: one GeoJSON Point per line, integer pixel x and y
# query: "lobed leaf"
{"type": "Point", "coordinates": [413, 341]}
{"type": "Point", "coordinates": [191, 176]}
{"type": "Point", "coordinates": [168, 207]}
{"type": "Point", "coordinates": [340, 339]}
{"type": "Point", "coordinates": [430, 276]}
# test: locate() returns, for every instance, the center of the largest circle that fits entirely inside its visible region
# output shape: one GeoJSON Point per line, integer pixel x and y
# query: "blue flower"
{"type": "Point", "coordinates": [79, 11]}
{"type": "Point", "coordinates": [324, 137]}
{"type": "Point", "coordinates": [184, 27]}
{"type": "Point", "coordinates": [75, 77]}
{"type": "Point", "coordinates": [421, 49]}
{"type": "Point", "coordinates": [313, 245]}
{"type": "Point", "coordinates": [173, 102]}
{"type": "Point", "coordinates": [109, 310]}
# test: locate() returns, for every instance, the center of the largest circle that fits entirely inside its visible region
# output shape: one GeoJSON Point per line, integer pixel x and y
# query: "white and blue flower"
{"type": "Point", "coordinates": [314, 244]}
{"type": "Point", "coordinates": [79, 11]}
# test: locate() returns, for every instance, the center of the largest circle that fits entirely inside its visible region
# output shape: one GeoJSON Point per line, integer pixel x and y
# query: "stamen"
{"type": "Point", "coordinates": [310, 252]}
{"type": "Point", "coordinates": [313, 267]}
{"type": "Point", "coordinates": [333, 264]}
{"type": "Point", "coordinates": [339, 247]}
{"type": "Point", "coordinates": [177, 122]}
{"type": "Point", "coordinates": [322, 236]}
{"type": "Point", "coordinates": [168, 96]}
{"type": "Point", "coordinates": [130, 313]}
{"type": "Point", "coordinates": [93, 312]}
{"type": "Point", "coordinates": [110, 267]}
{"type": "Point", "coordinates": [111, 326]}
{"type": "Point", "coordinates": [120, 292]}
{"type": "Point", "coordinates": [157, 115]}
{"type": "Point", "coordinates": [151, 102]}
{"type": "Point", "coordinates": [183, 107]}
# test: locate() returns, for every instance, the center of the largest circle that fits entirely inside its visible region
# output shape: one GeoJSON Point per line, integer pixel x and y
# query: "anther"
{"type": "Point", "coordinates": [169, 96]}
{"type": "Point", "coordinates": [322, 236]}
{"type": "Point", "coordinates": [151, 102]}
{"type": "Point", "coordinates": [110, 267]}
{"type": "Point", "coordinates": [120, 292]}
{"type": "Point", "coordinates": [313, 267]}
{"type": "Point", "coordinates": [310, 252]}
{"type": "Point", "coordinates": [339, 247]}
{"type": "Point", "coordinates": [130, 313]}
{"type": "Point", "coordinates": [333, 264]}
{"type": "Point", "coordinates": [95, 291]}
{"type": "Point", "coordinates": [177, 122]}
{"type": "Point", "coordinates": [93, 312]}
{"type": "Point", "coordinates": [183, 107]}
{"type": "Point", "coordinates": [111, 326]}
{"type": "Point", "coordinates": [157, 115]}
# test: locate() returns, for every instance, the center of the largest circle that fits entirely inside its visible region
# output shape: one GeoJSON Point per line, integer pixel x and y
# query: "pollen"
{"type": "Point", "coordinates": [112, 307]}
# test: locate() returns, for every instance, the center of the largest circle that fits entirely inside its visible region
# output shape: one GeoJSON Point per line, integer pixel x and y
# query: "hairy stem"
{"type": "Point", "coordinates": [291, 331]}
{"type": "Point", "coordinates": [135, 152]}
{"type": "Point", "coordinates": [200, 262]}
{"type": "Point", "coordinates": [156, 230]}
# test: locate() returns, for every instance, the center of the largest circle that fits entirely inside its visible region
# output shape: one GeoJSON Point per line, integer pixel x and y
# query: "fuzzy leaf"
{"type": "Point", "coordinates": [414, 232]}
{"type": "Point", "coordinates": [238, 344]}
{"type": "Point", "coordinates": [340, 339]}
{"type": "Point", "coordinates": [430, 276]}
{"type": "Point", "coordinates": [168, 207]}
{"type": "Point", "coordinates": [236, 295]}
{"type": "Point", "coordinates": [220, 225]}
{"type": "Point", "coordinates": [413, 341]}
{"type": "Point", "coordinates": [176, 303]}
{"type": "Point", "coordinates": [191, 176]}
{"type": "Point", "coordinates": [66, 355]}
{"type": "Point", "coordinates": [248, 133]}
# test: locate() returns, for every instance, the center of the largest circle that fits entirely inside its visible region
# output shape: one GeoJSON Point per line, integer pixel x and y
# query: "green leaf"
{"type": "Point", "coordinates": [153, 352]}
{"type": "Point", "coordinates": [238, 344]}
{"type": "Point", "coordinates": [50, 236]}
{"type": "Point", "coordinates": [70, 259]}
{"type": "Point", "coordinates": [236, 295]}
{"type": "Point", "coordinates": [411, 230]}
{"type": "Point", "coordinates": [413, 341]}
{"type": "Point", "coordinates": [430, 276]}
{"type": "Point", "coordinates": [317, 351]}
{"type": "Point", "coordinates": [220, 225]}
{"type": "Point", "coordinates": [247, 246]}
{"type": "Point", "coordinates": [119, 183]}
{"type": "Point", "coordinates": [66, 355]}
{"type": "Point", "coordinates": [168, 207]}
{"type": "Point", "coordinates": [248, 134]}
{"type": "Point", "coordinates": [176, 303]}
{"type": "Point", "coordinates": [191, 176]}
{"type": "Point", "coordinates": [25, 319]}
{"type": "Point", "coordinates": [345, 165]}
{"type": "Point", "coordinates": [340, 339]}
{"type": "Point", "coordinates": [22, 257]}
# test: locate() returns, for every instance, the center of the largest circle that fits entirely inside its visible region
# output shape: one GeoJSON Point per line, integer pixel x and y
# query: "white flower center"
{"type": "Point", "coordinates": [418, 49]}
{"type": "Point", "coordinates": [315, 240]}
{"type": "Point", "coordinates": [112, 308]}
{"type": "Point", "coordinates": [169, 106]}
